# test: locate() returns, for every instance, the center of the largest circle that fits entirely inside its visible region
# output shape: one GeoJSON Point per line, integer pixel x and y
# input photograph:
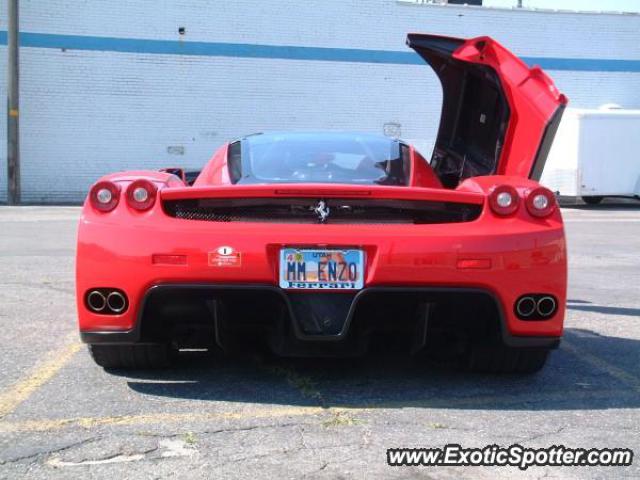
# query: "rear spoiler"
{"type": "Point", "coordinates": [322, 191]}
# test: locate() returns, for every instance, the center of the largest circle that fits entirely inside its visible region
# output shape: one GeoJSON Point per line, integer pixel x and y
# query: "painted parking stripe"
{"type": "Point", "coordinates": [614, 371]}
{"type": "Point", "coordinates": [321, 413]}
{"type": "Point", "coordinates": [16, 394]}
{"type": "Point", "coordinates": [41, 425]}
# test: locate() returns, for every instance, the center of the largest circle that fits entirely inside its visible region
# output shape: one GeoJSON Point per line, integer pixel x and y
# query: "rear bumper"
{"type": "Point", "coordinates": [293, 323]}
{"type": "Point", "coordinates": [516, 256]}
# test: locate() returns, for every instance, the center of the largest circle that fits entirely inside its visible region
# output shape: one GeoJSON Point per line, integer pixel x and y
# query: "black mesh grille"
{"type": "Point", "coordinates": [304, 210]}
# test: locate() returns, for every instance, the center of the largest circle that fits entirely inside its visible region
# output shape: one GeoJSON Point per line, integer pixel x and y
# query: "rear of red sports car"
{"type": "Point", "coordinates": [326, 243]}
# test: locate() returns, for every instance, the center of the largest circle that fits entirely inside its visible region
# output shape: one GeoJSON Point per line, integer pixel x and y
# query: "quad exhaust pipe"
{"type": "Point", "coordinates": [116, 302]}
{"type": "Point", "coordinates": [526, 307]}
{"type": "Point", "coordinates": [546, 306]}
{"type": "Point", "coordinates": [96, 301]}
{"type": "Point", "coordinates": [106, 301]}
{"type": "Point", "coordinates": [535, 307]}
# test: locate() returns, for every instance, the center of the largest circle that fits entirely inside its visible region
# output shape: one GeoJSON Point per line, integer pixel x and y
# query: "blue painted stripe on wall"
{"type": "Point", "coordinates": [286, 52]}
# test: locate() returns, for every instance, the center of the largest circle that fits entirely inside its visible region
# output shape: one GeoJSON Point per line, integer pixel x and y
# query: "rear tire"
{"type": "Point", "coordinates": [141, 356]}
{"type": "Point", "coordinates": [592, 200]}
{"type": "Point", "coordinates": [500, 359]}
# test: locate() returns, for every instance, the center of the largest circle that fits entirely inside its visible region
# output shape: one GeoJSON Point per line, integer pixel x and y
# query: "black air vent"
{"type": "Point", "coordinates": [308, 210]}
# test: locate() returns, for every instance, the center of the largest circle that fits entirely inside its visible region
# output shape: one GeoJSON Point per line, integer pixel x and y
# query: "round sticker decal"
{"type": "Point", "coordinates": [225, 250]}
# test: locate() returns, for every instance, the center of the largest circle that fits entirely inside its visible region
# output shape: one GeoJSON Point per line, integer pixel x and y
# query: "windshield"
{"type": "Point", "coordinates": [319, 158]}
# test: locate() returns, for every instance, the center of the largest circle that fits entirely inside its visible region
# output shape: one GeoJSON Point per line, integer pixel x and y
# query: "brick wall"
{"type": "Point", "coordinates": [85, 113]}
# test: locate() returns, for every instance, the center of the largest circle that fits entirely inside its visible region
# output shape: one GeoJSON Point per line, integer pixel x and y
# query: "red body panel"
{"type": "Point", "coordinates": [531, 94]}
{"type": "Point", "coordinates": [422, 175]}
{"type": "Point", "coordinates": [506, 256]}
{"type": "Point", "coordinates": [324, 191]}
{"type": "Point", "coordinates": [526, 255]}
{"type": "Point", "coordinates": [532, 98]}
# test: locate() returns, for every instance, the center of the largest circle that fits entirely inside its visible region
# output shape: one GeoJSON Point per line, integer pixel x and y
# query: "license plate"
{"type": "Point", "coordinates": [325, 269]}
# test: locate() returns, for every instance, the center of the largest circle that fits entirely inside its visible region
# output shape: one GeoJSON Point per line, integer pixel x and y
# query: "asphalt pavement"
{"type": "Point", "coordinates": [252, 416]}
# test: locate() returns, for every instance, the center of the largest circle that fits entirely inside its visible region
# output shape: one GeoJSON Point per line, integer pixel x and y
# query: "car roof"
{"type": "Point", "coordinates": [319, 134]}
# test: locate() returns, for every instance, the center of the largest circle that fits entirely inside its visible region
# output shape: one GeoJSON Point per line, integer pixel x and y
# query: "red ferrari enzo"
{"type": "Point", "coordinates": [326, 243]}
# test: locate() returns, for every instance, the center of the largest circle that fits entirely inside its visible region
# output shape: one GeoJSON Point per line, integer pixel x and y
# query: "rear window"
{"type": "Point", "coordinates": [318, 158]}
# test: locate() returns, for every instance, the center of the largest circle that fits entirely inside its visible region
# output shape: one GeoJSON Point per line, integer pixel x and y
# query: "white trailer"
{"type": "Point", "coordinates": [595, 154]}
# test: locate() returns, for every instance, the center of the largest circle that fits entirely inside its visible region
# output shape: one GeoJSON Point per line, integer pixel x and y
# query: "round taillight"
{"type": "Point", "coordinates": [504, 200]}
{"type": "Point", "coordinates": [540, 202]}
{"type": "Point", "coordinates": [141, 194]}
{"type": "Point", "coordinates": [104, 196]}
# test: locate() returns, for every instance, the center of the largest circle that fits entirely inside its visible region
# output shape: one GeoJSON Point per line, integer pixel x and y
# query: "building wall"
{"type": "Point", "coordinates": [96, 98]}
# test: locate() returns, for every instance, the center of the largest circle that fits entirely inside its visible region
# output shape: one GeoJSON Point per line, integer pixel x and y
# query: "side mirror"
{"type": "Point", "coordinates": [177, 171]}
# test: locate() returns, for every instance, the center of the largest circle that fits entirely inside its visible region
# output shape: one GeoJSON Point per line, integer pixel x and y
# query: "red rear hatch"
{"type": "Point", "coordinates": [498, 116]}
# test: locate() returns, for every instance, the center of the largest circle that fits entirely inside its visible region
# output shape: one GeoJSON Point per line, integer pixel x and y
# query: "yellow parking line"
{"type": "Point", "coordinates": [273, 412]}
{"type": "Point", "coordinates": [11, 398]}
{"type": "Point", "coordinates": [155, 418]}
{"type": "Point", "coordinates": [493, 401]}
{"type": "Point", "coordinates": [616, 372]}
{"type": "Point", "coordinates": [19, 392]}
